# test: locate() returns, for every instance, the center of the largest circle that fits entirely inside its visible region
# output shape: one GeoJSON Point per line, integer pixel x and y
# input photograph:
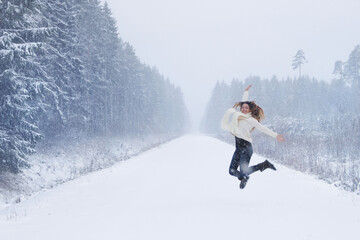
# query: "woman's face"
{"type": "Point", "coordinates": [245, 108]}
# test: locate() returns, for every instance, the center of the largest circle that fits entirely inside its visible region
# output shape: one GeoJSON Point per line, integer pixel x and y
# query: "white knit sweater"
{"type": "Point", "coordinates": [242, 128]}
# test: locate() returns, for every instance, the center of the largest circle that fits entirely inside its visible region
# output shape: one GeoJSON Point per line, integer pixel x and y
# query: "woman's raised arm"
{"type": "Point", "coordinates": [245, 96]}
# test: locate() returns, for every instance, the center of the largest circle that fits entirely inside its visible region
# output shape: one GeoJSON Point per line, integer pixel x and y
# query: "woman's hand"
{"type": "Point", "coordinates": [280, 138]}
{"type": "Point", "coordinates": [247, 89]}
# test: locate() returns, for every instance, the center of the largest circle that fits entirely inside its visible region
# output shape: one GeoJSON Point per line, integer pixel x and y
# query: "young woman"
{"type": "Point", "coordinates": [241, 124]}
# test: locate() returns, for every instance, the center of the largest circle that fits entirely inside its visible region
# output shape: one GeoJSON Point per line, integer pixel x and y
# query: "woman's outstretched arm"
{"type": "Point", "coordinates": [262, 128]}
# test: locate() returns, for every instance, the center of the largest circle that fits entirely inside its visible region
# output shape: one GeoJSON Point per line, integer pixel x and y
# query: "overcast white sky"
{"type": "Point", "coordinates": [198, 42]}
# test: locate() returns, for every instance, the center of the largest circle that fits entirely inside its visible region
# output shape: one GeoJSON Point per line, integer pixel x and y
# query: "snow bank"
{"type": "Point", "coordinates": [68, 160]}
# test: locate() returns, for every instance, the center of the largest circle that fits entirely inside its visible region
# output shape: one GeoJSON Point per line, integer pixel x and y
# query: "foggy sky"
{"type": "Point", "coordinates": [198, 42]}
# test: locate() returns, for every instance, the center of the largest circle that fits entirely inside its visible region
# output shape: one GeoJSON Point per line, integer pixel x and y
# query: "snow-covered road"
{"type": "Point", "coordinates": [182, 190]}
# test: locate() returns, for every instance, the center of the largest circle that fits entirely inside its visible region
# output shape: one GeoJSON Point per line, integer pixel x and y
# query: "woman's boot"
{"type": "Point", "coordinates": [265, 165]}
{"type": "Point", "coordinates": [243, 182]}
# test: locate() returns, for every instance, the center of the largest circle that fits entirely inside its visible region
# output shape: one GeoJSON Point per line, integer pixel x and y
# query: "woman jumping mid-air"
{"type": "Point", "coordinates": [241, 124]}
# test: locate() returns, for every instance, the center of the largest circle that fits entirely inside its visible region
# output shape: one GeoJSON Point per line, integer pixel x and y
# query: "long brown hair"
{"type": "Point", "coordinates": [255, 110]}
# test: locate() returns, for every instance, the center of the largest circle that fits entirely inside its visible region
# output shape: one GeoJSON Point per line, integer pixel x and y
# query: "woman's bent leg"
{"type": "Point", "coordinates": [245, 157]}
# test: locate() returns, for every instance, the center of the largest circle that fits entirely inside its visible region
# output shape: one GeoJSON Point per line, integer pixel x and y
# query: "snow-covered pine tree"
{"type": "Point", "coordinates": [132, 91]}
{"type": "Point", "coordinates": [26, 90]}
{"type": "Point", "coordinates": [352, 68]}
{"type": "Point", "coordinates": [88, 50]}
{"type": "Point", "coordinates": [179, 112]}
{"type": "Point", "coordinates": [18, 133]}
{"type": "Point", "coordinates": [115, 71]}
{"type": "Point", "coordinates": [338, 69]}
{"type": "Point", "coordinates": [66, 69]}
{"type": "Point", "coordinates": [298, 60]}
{"type": "Point", "coordinates": [349, 72]}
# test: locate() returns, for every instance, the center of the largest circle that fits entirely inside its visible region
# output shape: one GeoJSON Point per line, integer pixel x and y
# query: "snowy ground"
{"type": "Point", "coordinates": [182, 190]}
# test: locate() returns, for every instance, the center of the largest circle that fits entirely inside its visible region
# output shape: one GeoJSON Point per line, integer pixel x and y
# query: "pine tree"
{"type": "Point", "coordinates": [352, 68]}
{"type": "Point", "coordinates": [339, 69]}
{"type": "Point", "coordinates": [63, 66]}
{"type": "Point", "coordinates": [298, 60]}
{"type": "Point", "coordinates": [26, 90]}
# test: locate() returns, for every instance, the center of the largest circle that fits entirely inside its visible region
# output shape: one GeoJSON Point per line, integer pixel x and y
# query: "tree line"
{"type": "Point", "coordinates": [320, 120]}
{"type": "Point", "coordinates": [65, 72]}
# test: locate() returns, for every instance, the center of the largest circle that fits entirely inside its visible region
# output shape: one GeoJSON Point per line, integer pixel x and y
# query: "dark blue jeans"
{"type": "Point", "coordinates": [241, 158]}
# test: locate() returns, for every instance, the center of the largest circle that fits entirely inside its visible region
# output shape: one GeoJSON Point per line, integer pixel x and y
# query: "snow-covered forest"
{"type": "Point", "coordinates": [67, 76]}
{"type": "Point", "coordinates": [320, 120]}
